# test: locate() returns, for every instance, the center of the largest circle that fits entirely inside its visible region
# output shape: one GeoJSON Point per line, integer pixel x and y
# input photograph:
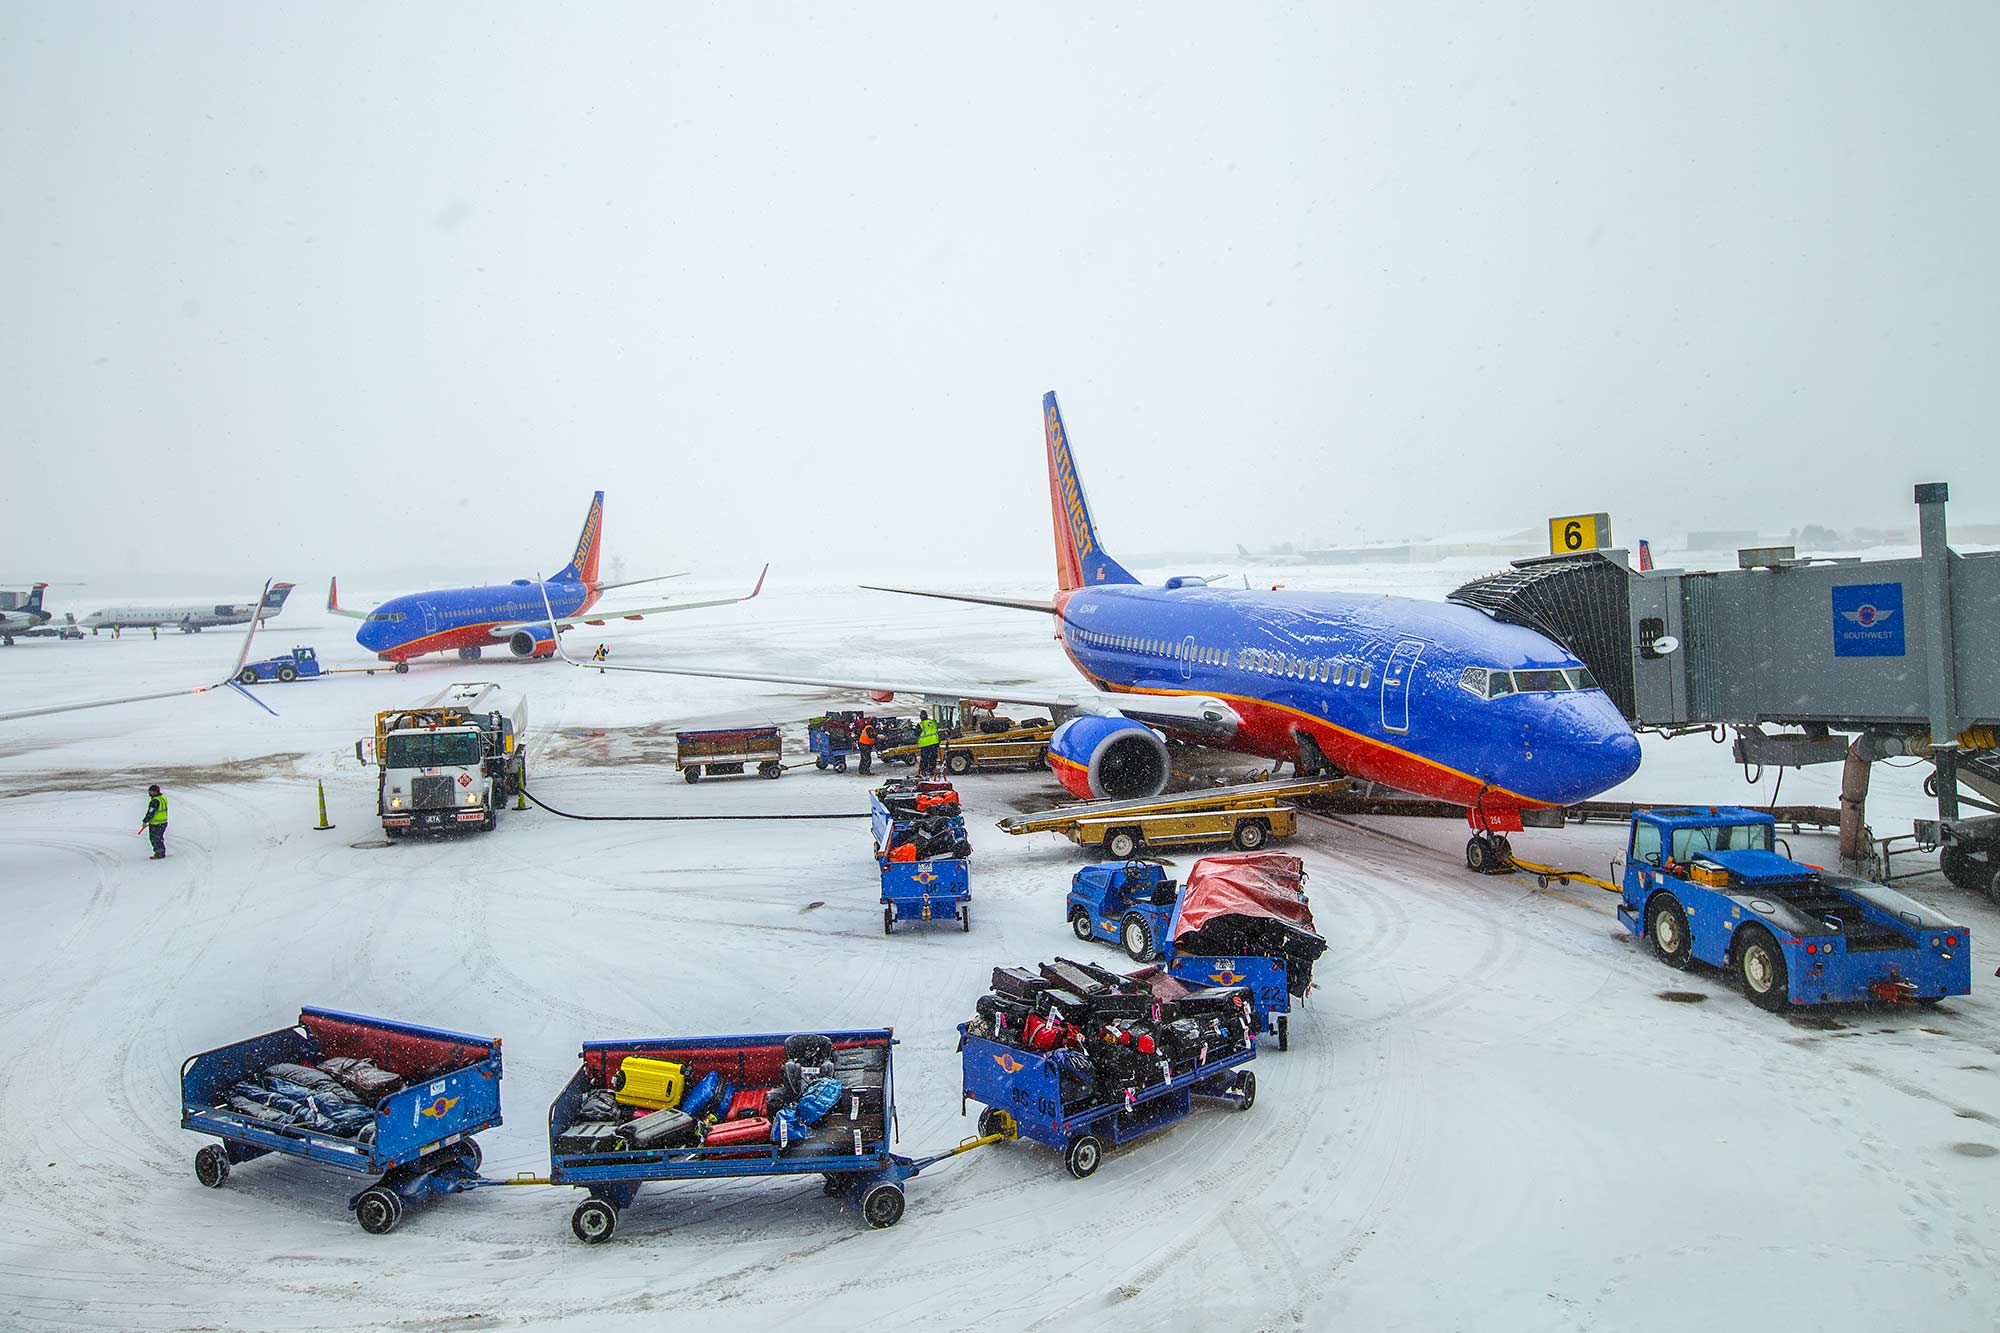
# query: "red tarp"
{"type": "Point", "coordinates": [1265, 884]}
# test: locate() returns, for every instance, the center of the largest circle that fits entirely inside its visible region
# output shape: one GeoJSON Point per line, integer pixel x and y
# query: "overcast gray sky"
{"type": "Point", "coordinates": [390, 288]}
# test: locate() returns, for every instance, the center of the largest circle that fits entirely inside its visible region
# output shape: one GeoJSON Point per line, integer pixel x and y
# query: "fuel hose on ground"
{"type": "Point", "coordinates": [674, 819]}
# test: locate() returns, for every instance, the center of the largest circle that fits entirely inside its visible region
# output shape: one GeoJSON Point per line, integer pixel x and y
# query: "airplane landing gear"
{"type": "Point", "coordinates": [1489, 854]}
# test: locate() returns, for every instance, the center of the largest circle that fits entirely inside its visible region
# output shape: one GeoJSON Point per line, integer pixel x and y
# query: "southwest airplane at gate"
{"type": "Point", "coordinates": [524, 615]}
{"type": "Point", "coordinates": [1433, 698]}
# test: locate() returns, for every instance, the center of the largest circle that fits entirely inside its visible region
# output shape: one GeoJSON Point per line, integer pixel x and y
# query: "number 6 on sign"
{"type": "Point", "coordinates": [1579, 532]}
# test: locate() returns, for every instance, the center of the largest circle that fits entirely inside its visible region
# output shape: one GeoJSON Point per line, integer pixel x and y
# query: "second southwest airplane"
{"type": "Point", "coordinates": [523, 615]}
{"type": "Point", "coordinates": [1432, 698]}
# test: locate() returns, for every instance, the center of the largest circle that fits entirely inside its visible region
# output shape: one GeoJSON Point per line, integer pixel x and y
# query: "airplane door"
{"type": "Point", "coordinates": [1396, 685]}
{"type": "Point", "coordinates": [430, 617]}
{"type": "Point", "coordinates": [1187, 658]}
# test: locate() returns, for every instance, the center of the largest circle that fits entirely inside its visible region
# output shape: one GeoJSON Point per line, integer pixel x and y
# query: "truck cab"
{"type": "Point", "coordinates": [300, 663]}
{"type": "Point", "coordinates": [1128, 903]}
{"type": "Point", "coordinates": [444, 764]}
{"type": "Point", "coordinates": [1708, 885]}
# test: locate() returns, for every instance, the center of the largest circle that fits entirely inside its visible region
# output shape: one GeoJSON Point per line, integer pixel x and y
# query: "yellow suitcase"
{"type": "Point", "coordinates": [653, 1084]}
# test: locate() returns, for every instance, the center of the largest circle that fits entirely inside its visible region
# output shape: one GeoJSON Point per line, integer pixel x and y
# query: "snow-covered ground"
{"type": "Point", "coordinates": [1490, 1118]}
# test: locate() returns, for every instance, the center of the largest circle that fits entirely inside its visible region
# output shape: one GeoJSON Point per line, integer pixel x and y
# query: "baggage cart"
{"type": "Point", "coordinates": [830, 750]}
{"type": "Point", "coordinates": [849, 1150]}
{"type": "Point", "coordinates": [1021, 1092]}
{"type": "Point", "coordinates": [422, 1143]}
{"type": "Point", "coordinates": [728, 751]}
{"type": "Point", "coordinates": [926, 891]}
{"type": "Point", "coordinates": [1264, 978]}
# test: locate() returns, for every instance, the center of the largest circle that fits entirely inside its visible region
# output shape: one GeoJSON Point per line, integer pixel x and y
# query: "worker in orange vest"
{"type": "Point", "coordinates": [866, 740]}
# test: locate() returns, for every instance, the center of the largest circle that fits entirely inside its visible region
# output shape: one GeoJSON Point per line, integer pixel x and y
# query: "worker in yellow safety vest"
{"type": "Point", "coordinates": [154, 824]}
{"type": "Point", "coordinates": [927, 747]}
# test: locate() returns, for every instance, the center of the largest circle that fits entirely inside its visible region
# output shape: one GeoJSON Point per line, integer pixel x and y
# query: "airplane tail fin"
{"type": "Point", "coordinates": [1645, 555]}
{"type": "Point", "coordinates": [274, 600]}
{"type": "Point", "coordinates": [582, 567]}
{"type": "Point", "coordinates": [33, 606]}
{"type": "Point", "coordinates": [1080, 559]}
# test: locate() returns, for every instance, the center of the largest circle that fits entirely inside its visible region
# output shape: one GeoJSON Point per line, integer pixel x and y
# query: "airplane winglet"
{"type": "Point", "coordinates": [333, 602]}
{"type": "Point", "coordinates": [760, 581]}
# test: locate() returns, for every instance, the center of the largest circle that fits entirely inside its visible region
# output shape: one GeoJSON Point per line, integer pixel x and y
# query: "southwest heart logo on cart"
{"type": "Point", "coordinates": [438, 1107]}
{"type": "Point", "coordinates": [1226, 974]}
{"type": "Point", "coordinates": [925, 877]}
{"type": "Point", "coordinates": [1008, 1063]}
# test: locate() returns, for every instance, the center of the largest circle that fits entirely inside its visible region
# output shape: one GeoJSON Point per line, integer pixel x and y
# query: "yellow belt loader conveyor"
{"type": "Point", "coordinates": [1245, 816]}
{"type": "Point", "coordinates": [1022, 747]}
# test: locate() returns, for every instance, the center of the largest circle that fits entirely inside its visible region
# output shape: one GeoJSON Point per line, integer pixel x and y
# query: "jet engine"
{"type": "Point", "coordinates": [534, 641]}
{"type": "Point", "coordinates": [1108, 757]}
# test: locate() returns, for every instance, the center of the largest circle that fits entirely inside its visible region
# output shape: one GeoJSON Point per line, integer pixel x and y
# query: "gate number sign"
{"type": "Point", "coordinates": [1579, 532]}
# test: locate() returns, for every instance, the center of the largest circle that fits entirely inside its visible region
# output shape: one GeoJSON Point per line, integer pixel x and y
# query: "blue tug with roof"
{"type": "Point", "coordinates": [1708, 885]}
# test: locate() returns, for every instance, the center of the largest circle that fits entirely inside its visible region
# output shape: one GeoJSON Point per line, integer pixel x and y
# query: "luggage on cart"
{"type": "Point", "coordinates": [1018, 983]}
{"type": "Point", "coordinates": [590, 1136]}
{"type": "Point", "coordinates": [662, 1129]}
{"type": "Point", "coordinates": [652, 1084]}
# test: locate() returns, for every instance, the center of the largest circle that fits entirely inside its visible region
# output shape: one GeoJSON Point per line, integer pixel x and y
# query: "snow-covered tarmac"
{"type": "Point", "coordinates": [1490, 1117]}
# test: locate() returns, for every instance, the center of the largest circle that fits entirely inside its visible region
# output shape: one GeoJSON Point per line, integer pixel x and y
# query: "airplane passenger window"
{"type": "Point", "coordinates": [1364, 675]}
{"type": "Point", "coordinates": [1499, 683]}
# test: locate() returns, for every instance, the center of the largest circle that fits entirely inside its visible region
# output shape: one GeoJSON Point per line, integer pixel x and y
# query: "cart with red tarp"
{"type": "Point", "coordinates": [1243, 920]}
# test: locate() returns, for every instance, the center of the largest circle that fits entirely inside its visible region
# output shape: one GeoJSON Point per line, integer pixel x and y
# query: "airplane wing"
{"type": "Point", "coordinates": [333, 602]}
{"type": "Point", "coordinates": [1185, 712]}
{"type": "Point", "coordinates": [633, 583]}
{"type": "Point", "coordinates": [242, 656]}
{"type": "Point", "coordinates": [597, 617]}
{"type": "Point", "coordinates": [1016, 603]}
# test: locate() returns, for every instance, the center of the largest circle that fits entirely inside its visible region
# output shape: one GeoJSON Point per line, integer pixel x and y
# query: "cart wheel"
{"type": "Point", "coordinates": [211, 1166]}
{"type": "Point", "coordinates": [1246, 1090]}
{"type": "Point", "coordinates": [1250, 835]}
{"type": "Point", "coordinates": [772, 770]}
{"type": "Point", "coordinates": [888, 921]}
{"type": "Point", "coordinates": [819, 762]}
{"type": "Point", "coordinates": [1122, 845]}
{"type": "Point", "coordinates": [247, 676]}
{"type": "Point", "coordinates": [1541, 881]}
{"type": "Point", "coordinates": [1761, 966]}
{"type": "Point", "coordinates": [1079, 922]}
{"type": "Point", "coordinates": [993, 1120]}
{"type": "Point", "coordinates": [469, 1152]}
{"type": "Point", "coordinates": [1284, 1033]}
{"type": "Point", "coordinates": [882, 1204]}
{"type": "Point", "coordinates": [288, 674]}
{"type": "Point", "coordinates": [692, 774]}
{"type": "Point", "coordinates": [958, 763]}
{"type": "Point", "coordinates": [594, 1221]}
{"type": "Point", "coordinates": [1137, 937]}
{"type": "Point", "coordinates": [1084, 1151]}
{"type": "Point", "coordinates": [965, 918]}
{"type": "Point", "coordinates": [378, 1210]}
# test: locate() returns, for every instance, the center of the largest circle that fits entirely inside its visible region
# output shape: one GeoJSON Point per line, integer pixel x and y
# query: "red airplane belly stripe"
{"type": "Point", "coordinates": [464, 636]}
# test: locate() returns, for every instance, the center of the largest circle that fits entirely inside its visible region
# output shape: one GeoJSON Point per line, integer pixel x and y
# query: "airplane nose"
{"type": "Point", "coordinates": [1583, 752]}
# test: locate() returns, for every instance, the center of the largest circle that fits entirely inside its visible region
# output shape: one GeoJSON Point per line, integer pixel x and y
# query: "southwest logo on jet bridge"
{"type": "Point", "coordinates": [1868, 620]}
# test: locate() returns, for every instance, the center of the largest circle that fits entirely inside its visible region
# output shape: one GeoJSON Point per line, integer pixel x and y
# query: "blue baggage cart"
{"type": "Point", "coordinates": [828, 750]}
{"type": "Point", "coordinates": [935, 890]}
{"type": "Point", "coordinates": [422, 1142]}
{"type": "Point", "coordinates": [1021, 1092]}
{"type": "Point", "coordinates": [849, 1150]}
{"type": "Point", "coordinates": [1264, 978]}
{"type": "Point", "coordinates": [926, 891]}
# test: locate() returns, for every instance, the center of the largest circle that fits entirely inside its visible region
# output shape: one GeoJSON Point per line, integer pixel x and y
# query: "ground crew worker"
{"type": "Point", "coordinates": [154, 824]}
{"type": "Point", "coordinates": [927, 747]}
{"type": "Point", "coordinates": [156, 634]}
{"type": "Point", "coordinates": [866, 740]}
{"type": "Point", "coordinates": [601, 653]}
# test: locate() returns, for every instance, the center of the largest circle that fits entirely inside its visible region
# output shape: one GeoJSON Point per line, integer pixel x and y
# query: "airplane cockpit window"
{"type": "Point", "coordinates": [1540, 682]}
{"type": "Point", "coordinates": [1474, 679]}
{"type": "Point", "coordinates": [385, 615]}
{"type": "Point", "coordinates": [1499, 683]}
{"type": "Point", "coordinates": [1583, 680]}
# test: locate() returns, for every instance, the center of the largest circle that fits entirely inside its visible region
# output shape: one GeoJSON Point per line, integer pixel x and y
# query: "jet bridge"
{"type": "Point", "coordinates": [1854, 660]}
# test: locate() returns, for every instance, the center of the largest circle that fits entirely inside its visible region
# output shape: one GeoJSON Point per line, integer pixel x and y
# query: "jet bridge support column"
{"type": "Point", "coordinates": [1935, 564]}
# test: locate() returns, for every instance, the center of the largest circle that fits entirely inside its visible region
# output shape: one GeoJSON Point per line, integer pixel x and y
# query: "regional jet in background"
{"type": "Point", "coordinates": [27, 615]}
{"type": "Point", "coordinates": [524, 615]}
{"type": "Point", "coordinates": [1434, 698]}
{"type": "Point", "coordinates": [189, 619]}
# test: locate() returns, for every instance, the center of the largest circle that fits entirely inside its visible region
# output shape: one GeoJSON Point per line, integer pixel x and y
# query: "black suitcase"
{"type": "Point", "coordinates": [1018, 983]}
{"type": "Point", "coordinates": [1066, 1005]}
{"type": "Point", "coordinates": [661, 1129]}
{"type": "Point", "coordinates": [1104, 976]}
{"type": "Point", "coordinates": [1004, 1016]}
{"type": "Point", "coordinates": [1110, 1008]}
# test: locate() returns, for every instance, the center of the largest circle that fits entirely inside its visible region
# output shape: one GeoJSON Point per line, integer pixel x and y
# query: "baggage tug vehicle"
{"type": "Point", "coordinates": [1707, 885]}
